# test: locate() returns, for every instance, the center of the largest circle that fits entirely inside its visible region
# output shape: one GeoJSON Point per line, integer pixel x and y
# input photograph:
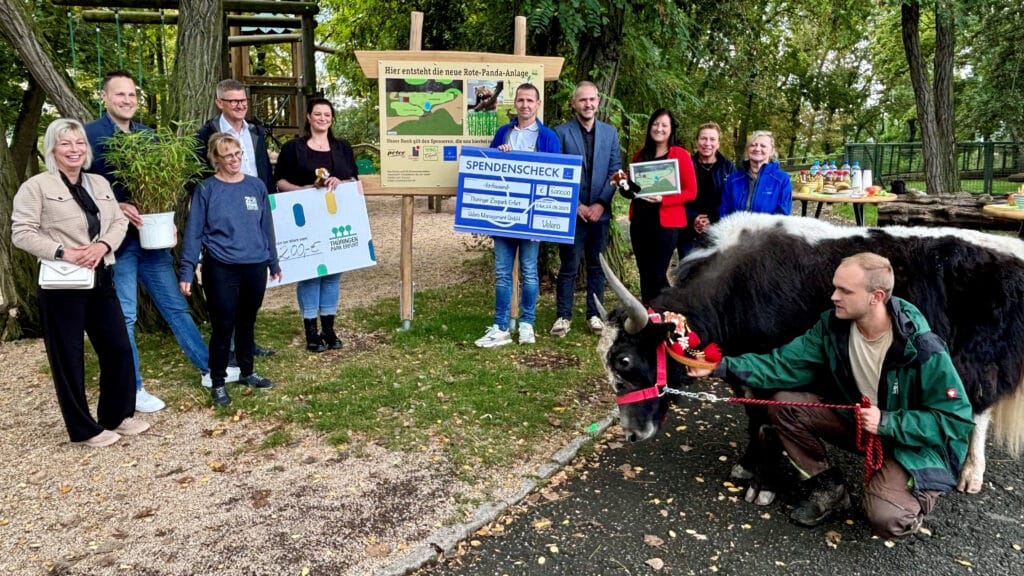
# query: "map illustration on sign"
{"type": "Point", "coordinates": [656, 178]}
{"type": "Point", "coordinates": [429, 110]}
{"type": "Point", "coordinates": [418, 107]}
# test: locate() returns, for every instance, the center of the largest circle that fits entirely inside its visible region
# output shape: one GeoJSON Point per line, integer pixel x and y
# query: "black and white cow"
{"type": "Point", "coordinates": [766, 279]}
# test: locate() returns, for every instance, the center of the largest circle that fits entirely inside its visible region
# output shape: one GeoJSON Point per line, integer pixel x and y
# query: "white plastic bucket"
{"type": "Point", "coordinates": [157, 231]}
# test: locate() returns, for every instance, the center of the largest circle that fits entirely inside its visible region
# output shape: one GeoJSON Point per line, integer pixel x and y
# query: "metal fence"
{"type": "Point", "coordinates": [984, 166]}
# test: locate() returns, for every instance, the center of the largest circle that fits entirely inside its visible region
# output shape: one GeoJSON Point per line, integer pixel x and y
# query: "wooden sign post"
{"type": "Point", "coordinates": [369, 62]}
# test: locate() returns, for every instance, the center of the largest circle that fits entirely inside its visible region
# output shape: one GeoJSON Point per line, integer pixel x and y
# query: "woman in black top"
{"type": "Point", "coordinates": [297, 167]}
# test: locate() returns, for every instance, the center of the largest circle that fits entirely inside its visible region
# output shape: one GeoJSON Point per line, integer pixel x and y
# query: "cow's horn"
{"type": "Point", "coordinates": [600, 308]}
{"type": "Point", "coordinates": [636, 317]}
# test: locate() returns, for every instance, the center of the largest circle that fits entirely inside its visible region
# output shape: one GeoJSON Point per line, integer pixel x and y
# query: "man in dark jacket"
{"type": "Point", "coordinates": [876, 346]}
{"type": "Point", "coordinates": [598, 144]}
{"type": "Point", "coordinates": [233, 103]}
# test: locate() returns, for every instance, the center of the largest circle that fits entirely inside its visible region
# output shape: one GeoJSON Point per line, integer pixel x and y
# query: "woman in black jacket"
{"type": "Point", "coordinates": [297, 167]}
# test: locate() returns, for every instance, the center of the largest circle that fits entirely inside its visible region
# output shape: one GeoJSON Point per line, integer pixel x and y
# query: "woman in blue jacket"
{"type": "Point", "coordinates": [758, 184]}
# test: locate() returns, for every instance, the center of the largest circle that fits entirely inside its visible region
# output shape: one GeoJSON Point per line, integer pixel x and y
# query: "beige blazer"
{"type": "Point", "coordinates": [45, 216]}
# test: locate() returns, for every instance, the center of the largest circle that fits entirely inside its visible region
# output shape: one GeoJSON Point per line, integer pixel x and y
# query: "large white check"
{"type": "Point", "coordinates": [321, 232]}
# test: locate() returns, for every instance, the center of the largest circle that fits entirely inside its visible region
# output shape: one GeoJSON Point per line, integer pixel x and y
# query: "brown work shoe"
{"type": "Point", "coordinates": [827, 495]}
{"type": "Point", "coordinates": [132, 427]}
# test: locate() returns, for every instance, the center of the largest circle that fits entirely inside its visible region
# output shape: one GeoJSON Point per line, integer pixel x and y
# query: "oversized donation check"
{"type": "Point", "coordinates": [321, 232]}
{"type": "Point", "coordinates": [528, 195]}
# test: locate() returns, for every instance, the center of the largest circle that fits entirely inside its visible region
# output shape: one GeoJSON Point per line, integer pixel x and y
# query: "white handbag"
{"type": "Point", "coordinates": [60, 275]}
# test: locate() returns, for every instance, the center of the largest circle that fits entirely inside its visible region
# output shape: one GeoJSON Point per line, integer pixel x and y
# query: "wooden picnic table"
{"type": "Point", "coordinates": [857, 203]}
{"type": "Point", "coordinates": [1006, 212]}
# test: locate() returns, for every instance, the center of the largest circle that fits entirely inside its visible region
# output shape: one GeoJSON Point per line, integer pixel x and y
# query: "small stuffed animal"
{"type": "Point", "coordinates": [321, 177]}
{"type": "Point", "coordinates": [622, 183]}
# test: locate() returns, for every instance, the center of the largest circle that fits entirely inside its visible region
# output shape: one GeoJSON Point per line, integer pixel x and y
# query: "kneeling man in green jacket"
{"type": "Point", "coordinates": [881, 347]}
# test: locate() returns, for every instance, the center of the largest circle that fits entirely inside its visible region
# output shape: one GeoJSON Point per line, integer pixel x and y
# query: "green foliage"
{"type": "Point", "coordinates": [155, 167]}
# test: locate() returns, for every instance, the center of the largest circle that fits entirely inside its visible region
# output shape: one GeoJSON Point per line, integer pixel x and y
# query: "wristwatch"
{"type": "Point", "coordinates": [59, 254]}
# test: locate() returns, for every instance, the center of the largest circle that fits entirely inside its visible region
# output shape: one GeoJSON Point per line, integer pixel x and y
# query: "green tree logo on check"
{"type": "Point", "coordinates": [343, 238]}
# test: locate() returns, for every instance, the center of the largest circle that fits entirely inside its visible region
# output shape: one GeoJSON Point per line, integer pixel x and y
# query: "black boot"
{"type": "Point", "coordinates": [327, 333]}
{"type": "Point", "coordinates": [313, 341]}
{"type": "Point", "coordinates": [827, 495]}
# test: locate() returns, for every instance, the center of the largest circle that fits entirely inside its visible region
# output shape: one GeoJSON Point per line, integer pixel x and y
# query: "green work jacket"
{"type": "Point", "coordinates": [926, 416]}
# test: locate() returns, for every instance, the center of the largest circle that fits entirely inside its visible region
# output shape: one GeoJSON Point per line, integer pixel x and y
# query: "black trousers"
{"type": "Point", "coordinates": [66, 314]}
{"type": "Point", "coordinates": [653, 245]}
{"type": "Point", "coordinates": [234, 294]}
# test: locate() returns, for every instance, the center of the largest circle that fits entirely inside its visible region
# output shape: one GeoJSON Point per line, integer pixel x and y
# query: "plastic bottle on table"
{"type": "Point", "coordinates": [857, 181]}
{"type": "Point", "coordinates": [856, 176]}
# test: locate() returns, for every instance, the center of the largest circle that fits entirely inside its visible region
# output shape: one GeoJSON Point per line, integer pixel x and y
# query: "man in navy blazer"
{"type": "Point", "coordinates": [598, 144]}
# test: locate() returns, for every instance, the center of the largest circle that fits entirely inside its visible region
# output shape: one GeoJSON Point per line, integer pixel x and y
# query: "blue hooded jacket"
{"type": "Point", "coordinates": [773, 192]}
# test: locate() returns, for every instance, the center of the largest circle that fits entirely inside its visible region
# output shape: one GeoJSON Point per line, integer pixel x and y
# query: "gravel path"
{"type": "Point", "coordinates": [196, 496]}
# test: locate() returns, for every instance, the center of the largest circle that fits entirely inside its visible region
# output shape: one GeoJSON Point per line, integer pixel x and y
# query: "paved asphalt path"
{"type": "Point", "coordinates": [674, 489]}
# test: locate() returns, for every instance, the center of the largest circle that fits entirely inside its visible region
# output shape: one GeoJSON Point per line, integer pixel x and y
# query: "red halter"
{"type": "Point", "coordinates": [660, 382]}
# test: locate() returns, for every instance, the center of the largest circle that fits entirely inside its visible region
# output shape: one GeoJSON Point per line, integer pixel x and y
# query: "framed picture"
{"type": "Point", "coordinates": [656, 178]}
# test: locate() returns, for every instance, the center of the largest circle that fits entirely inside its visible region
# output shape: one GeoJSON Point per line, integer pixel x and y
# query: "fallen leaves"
{"type": "Point", "coordinates": [652, 540]}
{"type": "Point", "coordinates": [377, 550]}
{"type": "Point", "coordinates": [260, 499]}
{"type": "Point", "coordinates": [655, 563]}
{"type": "Point", "coordinates": [145, 513]}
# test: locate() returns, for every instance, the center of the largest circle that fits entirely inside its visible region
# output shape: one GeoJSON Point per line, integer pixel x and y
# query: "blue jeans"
{"type": "Point", "coordinates": [504, 257]}
{"type": "Point", "coordinates": [318, 296]}
{"type": "Point", "coordinates": [591, 239]}
{"type": "Point", "coordinates": [155, 269]}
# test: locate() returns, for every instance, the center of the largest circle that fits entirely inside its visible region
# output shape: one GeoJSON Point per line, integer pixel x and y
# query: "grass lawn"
{"type": "Point", "coordinates": [406, 390]}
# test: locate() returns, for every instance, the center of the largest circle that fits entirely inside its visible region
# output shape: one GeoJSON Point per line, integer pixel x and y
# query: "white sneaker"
{"type": "Point", "coordinates": [233, 373]}
{"type": "Point", "coordinates": [561, 327]}
{"type": "Point", "coordinates": [494, 337]}
{"type": "Point", "coordinates": [146, 402]}
{"type": "Point", "coordinates": [526, 334]}
{"type": "Point", "coordinates": [595, 325]}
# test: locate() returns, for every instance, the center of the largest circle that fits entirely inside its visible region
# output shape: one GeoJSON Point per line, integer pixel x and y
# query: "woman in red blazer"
{"type": "Point", "coordinates": [655, 221]}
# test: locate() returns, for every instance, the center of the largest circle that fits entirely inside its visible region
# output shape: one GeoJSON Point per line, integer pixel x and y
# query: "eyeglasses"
{"type": "Point", "coordinates": [232, 156]}
{"type": "Point", "coordinates": [239, 102]}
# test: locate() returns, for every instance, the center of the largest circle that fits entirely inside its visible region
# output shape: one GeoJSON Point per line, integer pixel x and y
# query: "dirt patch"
{"type": "Point", "coordinates": [546, 359]}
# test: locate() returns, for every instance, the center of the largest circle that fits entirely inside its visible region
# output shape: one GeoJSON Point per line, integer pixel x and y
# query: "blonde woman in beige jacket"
{"type": "Point", "coordinates": [66, 214]}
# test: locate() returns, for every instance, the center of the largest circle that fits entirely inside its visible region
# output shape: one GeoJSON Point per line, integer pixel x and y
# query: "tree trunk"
{"type": "Point", "coordinates": [934, 101]}
{"type": "Point", "coordinates": [956, 210]}
{"type": "Point", "coordinates": [198, 62]}
{"type": "Point", "coordinates": [19, 29]}
{"type": "Point", "coordinates": [26, 131]}
{"type": "Point", "coordinates": [19, 313]}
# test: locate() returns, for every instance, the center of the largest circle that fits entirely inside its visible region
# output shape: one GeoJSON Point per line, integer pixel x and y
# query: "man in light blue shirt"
{"type": "Point", "coordinates": [524, 133]}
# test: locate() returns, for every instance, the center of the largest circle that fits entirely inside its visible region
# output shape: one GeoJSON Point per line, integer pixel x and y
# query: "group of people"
{"type": "Point", "coordinates": [78, 212]}
{"type": "Point", "coordinates": [869, 342]}
{"type": "Point", "coordinates": [710, 187]}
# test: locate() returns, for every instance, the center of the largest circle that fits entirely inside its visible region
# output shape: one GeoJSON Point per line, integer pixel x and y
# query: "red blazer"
{"type": "Point", "coordinates": [671, 214]}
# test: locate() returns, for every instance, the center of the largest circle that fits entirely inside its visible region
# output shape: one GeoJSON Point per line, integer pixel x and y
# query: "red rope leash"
{"type": "Point", "coordinates": [869, 444]}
